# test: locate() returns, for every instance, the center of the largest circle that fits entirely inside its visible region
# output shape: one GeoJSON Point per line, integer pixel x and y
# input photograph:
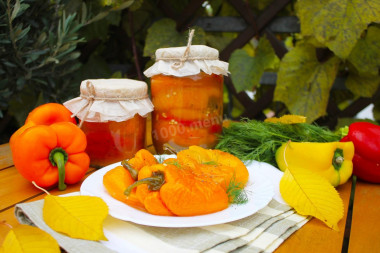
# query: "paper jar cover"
{"type": "Point", "coordinates": [103, 100]}
{"type": "Point", "coordinates": [199, 58]}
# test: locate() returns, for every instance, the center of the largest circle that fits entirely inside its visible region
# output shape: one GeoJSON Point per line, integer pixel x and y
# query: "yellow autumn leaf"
{"type": "Point", "coordinates": [77, 216]}
{"type": "Point", "coordinates": [287, 119]}
{"type": "Point", "coordinates": [310, 194]}
{"type": "Point", "coordinates": [25, 239]}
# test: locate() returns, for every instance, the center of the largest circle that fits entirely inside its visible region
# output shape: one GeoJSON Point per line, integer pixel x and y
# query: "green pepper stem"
{"type": "Point", "coordinates": [130, 169]}
{"type": "Point", "coordinates": [154, 182]}
{"type": "Point", "coordinates": [58, 157]}
{"type": "Point", "coordinates": [343, 131]}
{"type": "Point", "coordinates": [338, 159]}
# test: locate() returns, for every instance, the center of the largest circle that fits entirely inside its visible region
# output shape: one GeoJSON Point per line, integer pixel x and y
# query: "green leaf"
{"type": "Point", "coordinates": [21, 34]}
{"type": "Point", "coordinates": [117, 7]}
{"type": "Point", "coordinates": [366, 54]}
{"type": "Point", "coordinates": [22, 104]}
{"type": "Point", "coordinates": [304, 83]}
{"type": "Point", "coordinates": [219, 41]}
{"type": "Point", "coordinates": [362, 85]}
{"type": "Point", "coordinates": [376, 110]}
{"type": "Point", "coordinates": [337, 24]}
{"type": "Point", "coordinates": [163, 34]}
{"type": "Point", "coordinates": [16, 9]}
{"type": "Point", "coordinates": [246, 71]}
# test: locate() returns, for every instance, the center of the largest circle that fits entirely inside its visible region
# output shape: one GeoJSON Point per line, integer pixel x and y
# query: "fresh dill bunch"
{"type": "Point", "coordinates": [257, 140]}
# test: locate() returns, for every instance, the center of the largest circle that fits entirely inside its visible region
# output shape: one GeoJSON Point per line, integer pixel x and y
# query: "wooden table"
{"type": "Point", "coordinates": [361, 234]}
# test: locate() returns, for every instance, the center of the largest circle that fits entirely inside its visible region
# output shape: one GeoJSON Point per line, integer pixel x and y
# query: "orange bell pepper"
{"type": "Point", "coordinates": [51, 154]}
{"type": "Point", "coordinates": [50, 113]}
{"type": "Point", "coordinates": [45, 114]}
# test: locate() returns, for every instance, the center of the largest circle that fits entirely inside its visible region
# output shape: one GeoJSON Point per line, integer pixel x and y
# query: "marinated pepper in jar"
{"type": "Point", "coordinates": [112, 114]}
{"type": "Point", "coordinates": [187, 93]}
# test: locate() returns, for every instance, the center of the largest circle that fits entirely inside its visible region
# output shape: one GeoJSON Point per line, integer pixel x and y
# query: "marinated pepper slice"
{"type": "Point", "coordinates": [173, 190]}
{"type": "Point", "coordinates": [223, 167]}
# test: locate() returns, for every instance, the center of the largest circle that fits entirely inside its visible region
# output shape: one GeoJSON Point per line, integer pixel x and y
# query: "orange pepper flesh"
{"type": "Point", "coordinates": [222, 167]}
{"type": "Point", "coordinates": [116, 181]}
{"type": "Point", "coordinates": [181, 192]}
{"type": "Point", "coordinates": [51, 154]}
{"type": "Point", "coordinates": [142, 158]}
{"type": "Point", "coordinates": [188, 194]}
{"type": "Point", "coordinates": [188, 110]}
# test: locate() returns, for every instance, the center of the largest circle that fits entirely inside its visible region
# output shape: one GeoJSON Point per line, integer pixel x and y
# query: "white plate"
{"type": "Point", "coordinates": [259, 190]}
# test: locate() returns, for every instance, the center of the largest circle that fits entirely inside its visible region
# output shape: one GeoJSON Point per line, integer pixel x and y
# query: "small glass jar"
{"type": "Point", "coordinates": [112, 114]}
{"type": "Point", "coordinates": [188, 100]}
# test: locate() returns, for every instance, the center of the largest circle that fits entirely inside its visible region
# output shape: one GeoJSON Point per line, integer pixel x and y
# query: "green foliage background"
{"type": "Point", "coordinates": [48, 47]}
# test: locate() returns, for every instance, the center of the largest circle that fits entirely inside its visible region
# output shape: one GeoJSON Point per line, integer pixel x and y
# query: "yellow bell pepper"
{"type": "Point", "coordinates": [332, 160]}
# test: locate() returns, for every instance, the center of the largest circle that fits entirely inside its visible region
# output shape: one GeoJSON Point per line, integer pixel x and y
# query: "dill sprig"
{"type": "Point", "coordinates": [174, 162]}
{"type": "Point", "coordinates": [236, 193]}
{"type": "Point", "coordinates": [257, 140]}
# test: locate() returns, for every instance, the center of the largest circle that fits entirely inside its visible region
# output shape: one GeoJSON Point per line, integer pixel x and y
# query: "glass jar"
{"type": "Point", "coordinates": [110, 142]}
{"type": "Point", "coordinates": [188, 101]}
{"type": "Point", "coordinates": [112, 114]}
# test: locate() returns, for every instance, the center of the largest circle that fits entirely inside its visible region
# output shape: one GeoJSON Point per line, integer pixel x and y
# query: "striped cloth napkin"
{"type": "Point", "coordinates": [263, 231]}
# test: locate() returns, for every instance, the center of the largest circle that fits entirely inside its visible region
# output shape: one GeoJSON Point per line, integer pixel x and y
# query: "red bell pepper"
{"type": "Point", "coordinates": [366, 161]}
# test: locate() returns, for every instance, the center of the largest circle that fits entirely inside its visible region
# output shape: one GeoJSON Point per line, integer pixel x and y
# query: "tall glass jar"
{"type": "Point", "coordinates": [187, 93]}
{"type": "Point", "coordinates": [112, 114]}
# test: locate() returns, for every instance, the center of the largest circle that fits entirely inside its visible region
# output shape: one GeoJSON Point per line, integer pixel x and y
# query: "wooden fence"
{"type": "Point", "coordinates": [250, 25]}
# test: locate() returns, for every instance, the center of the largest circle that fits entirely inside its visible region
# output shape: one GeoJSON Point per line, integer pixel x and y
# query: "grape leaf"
{"type": "Point", "coordinates": [24, 238]}
{"type": "Point", "coordinates": [362, 85]}
{"type": "Point", "coordinates": [366, 54]}
{"type": "Point", "coordinates": [376, 110]}
{"type": "Point", "coordinates": [219, 41]}
{"type": "Point", "coordinates": [163, 34]}
{"type": "Point", "coordinates": [246, 71]}
{"type": "Point", "coordinates": [303, 77]}
{"type": "Point", "coordinates": [337, 24]}
{"type": "Point", "coordinates": [311, 194]}
{"type": "Point", "coordinates": [77, 216]}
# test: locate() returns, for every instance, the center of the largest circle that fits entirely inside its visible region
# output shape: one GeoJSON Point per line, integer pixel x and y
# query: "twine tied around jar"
{"type": "Point", "coordinates": [178, 65]}
{"type": "Point", "coordinates": [92, 97]}
{"type": "Point", "coordinates": [185, 57]}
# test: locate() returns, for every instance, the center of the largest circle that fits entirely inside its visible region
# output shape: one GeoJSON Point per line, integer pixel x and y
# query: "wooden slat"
{"type": "Point", "coordinates": [315, 236]}
{"type": "Point", "coordinates": [289, 24]}
{"type": "Point", "coordinates": [257, 107]}
{"type": "Point", "coordinates": [5, 157]}
{"type": "Point", "coordinates": [365, 227]}
{"type": "Point", "coordinates": [185, 19]}
{"type": "Point", "coordinates": [266, 16]}
{"type": "Point", "coordinates": [14, 188]}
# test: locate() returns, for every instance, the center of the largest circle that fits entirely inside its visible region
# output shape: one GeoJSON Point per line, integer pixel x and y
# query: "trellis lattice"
{"type": "Point", "coordinates": [249, 25]}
